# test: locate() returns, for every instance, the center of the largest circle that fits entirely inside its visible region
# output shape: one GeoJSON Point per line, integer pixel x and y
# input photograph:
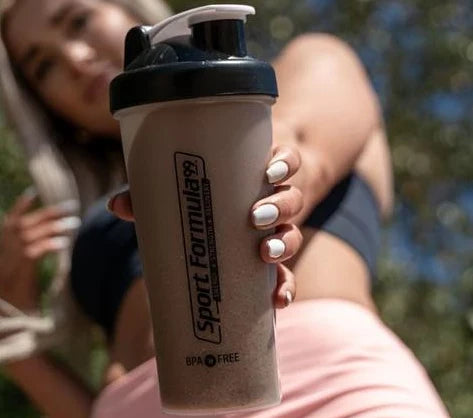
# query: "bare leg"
{"type": "Point", "coordinates": [327, 267]}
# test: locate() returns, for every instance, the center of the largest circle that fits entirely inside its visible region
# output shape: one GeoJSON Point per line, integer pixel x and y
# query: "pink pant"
{"type": "Point", "coordinates": [336, 360]}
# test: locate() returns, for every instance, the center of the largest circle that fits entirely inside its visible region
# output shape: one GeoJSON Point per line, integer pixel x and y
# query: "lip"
{"type": "Point", "coordinates": [96, 87]}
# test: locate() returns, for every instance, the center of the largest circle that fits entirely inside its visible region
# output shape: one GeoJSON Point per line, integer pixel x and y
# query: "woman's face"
{"type": "Point", "coordinates": [69, 51]}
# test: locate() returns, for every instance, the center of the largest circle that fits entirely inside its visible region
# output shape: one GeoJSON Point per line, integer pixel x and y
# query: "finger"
{"type": "Point", "coordinates": [120, 205]}
{"type": "Point", "coordinates": [285, 291]}
{"type": "Point", "coordinates": [48, 246]}
{"type": "Point", "coordinates": [285, 163]}
{"type": "Point", "coordinates": [49, 213]}
{"type": "Point", "coordinates": [24, 202]}
{"type": "Point", "coordinates": [278, 208]}
{"type": "Point", "coordinates": [281, 246]}
{"type": "Point", "coordinates": [62, 226]}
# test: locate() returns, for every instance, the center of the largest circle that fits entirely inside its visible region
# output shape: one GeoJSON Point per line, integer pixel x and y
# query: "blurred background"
{"type": "Point", "coordinates": [419, 56]}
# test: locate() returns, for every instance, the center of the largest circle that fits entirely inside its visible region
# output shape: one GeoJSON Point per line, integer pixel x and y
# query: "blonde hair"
{"type": "Point", "coordinates": [59, 175]}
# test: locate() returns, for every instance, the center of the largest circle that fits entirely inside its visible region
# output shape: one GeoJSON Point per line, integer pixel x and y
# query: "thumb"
{"type": "Point", "coordinates": [120, 205]}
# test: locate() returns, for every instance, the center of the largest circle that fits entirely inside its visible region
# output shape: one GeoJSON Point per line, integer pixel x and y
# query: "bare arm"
{"type": "Point", "coordinates": [327, 107]}
{"type": "Point", "coordinates": [56, 393]}
{"type": "Point", "coordinates": [26, 235]}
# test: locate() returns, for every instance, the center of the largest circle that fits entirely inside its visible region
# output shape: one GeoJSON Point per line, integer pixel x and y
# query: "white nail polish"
{"type": "Point", "coordinates": [288, 298]}
{"type": "Point", "coordinates": [276, 248]}
{"type": "Point", "coordinates": [265, 214]}
{"type": "Point", "coordinates": [277, 171]}
{"type": "Point", "coordinates": [60, 243]}
{"type": "Point", "coordinates": [70, 206]}
{"type": "Point", "coordinates": [30, 192]}
{"type": "Point", "coordinates": [71, 223]}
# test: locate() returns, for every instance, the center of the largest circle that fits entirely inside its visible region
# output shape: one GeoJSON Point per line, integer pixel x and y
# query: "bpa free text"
{"type": "Point", "coordinates": [212, 360]}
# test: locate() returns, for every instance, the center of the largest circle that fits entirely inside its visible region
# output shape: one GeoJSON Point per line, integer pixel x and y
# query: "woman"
{"type": "Point", "coordinates": [328, 132]}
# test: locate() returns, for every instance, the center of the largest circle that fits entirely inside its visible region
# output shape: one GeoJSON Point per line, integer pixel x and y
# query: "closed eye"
{"type": "Point", "coordinates": [78, 23]}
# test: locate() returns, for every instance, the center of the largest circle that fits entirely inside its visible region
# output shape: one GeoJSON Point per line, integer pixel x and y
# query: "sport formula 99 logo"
{"type": "Point", "coordinates": [195, 201]}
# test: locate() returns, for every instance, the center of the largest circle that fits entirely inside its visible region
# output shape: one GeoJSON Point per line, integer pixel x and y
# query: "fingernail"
{"type": "Point", "coordinates": [118, 191]}
{"type": "Point", "coordinates": [71, 206]}
{"type": "Point", "coordinates": [265, 214]}
{"type": "Point", "coordinates": [110, 204]}
{"type": "Point", "coordinates": [60, 243]}
{"type": "Point", "coordinates": [70, 223]}
{"type": "Point", "coordinates": [277, 171]}
{"type": "Point", "coordinates": [30, 192]}
{"type": "Point", "coordinates": [276, 248]}
{"type": "Point", "coordinates": [288, 298]}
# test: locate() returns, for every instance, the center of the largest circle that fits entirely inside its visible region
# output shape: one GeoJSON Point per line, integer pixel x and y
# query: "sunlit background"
{"type": "Point", "coordinates": [419, 55]}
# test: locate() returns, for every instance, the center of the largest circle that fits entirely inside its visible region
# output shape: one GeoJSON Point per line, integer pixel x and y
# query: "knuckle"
{"type": "Point", "coordinates": [29, 254]}
{"type": "Point", "coordinates": [52, 228]}
{"type": "Point", "coordinates": [276, 149]}
{"type": "Point", "coordinates": [298, 196]}
{"type": "Point", "coordinates": [299, 237]}
{"type": "Point", "coordinates": [22, 223]}
{"type": "Point", "coordinates": [292, 149]}
{"type": "Point", "coordinates": [297, 155]}
{"type": "Point", "coordinates": [24, 236]}
{"type": "Point", "coordinates": [285, 207]}
{"type": "Point", "coordinates": [294, 200]}
{"type": "Point", "coordinates": [50, 212]}
{"type": "Point", "coordinates": [291, 153]}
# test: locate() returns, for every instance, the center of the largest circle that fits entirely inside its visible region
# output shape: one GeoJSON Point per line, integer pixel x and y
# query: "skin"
{"type": "Point", "coordinates": [83, 49]}
{"type": "Point", "coordinates": [326, 123]}
{"type": "Point", "coordinates": [72, 40]}
{"type": "Point", "coordinates": [77, 55]}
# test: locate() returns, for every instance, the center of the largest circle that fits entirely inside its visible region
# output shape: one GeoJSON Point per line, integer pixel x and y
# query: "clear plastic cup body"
{"type": "Point", "coordinates": [195, 168]}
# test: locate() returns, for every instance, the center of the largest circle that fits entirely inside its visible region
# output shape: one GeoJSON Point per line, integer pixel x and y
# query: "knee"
{"type": "Point", "coordinates": [328, 51]}
{"type": "Point", "coordinates": [318, 41]}
{"type": "Point", "coordinates": [333, 65]}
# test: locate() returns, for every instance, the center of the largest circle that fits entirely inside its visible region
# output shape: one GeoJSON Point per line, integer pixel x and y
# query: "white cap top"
{"type": "Point", "coordinates": [179, 24]}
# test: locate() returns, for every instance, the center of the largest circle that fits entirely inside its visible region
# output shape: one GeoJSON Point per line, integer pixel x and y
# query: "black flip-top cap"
{"type": "Point", "coordinates": [211, 62]}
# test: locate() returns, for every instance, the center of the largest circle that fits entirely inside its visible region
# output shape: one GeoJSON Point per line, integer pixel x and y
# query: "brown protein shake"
{"type": "Point", "coordinates": [195, 116]}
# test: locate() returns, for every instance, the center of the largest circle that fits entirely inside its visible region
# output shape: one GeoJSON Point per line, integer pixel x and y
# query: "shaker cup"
{"type": "Point", "coordinates": [195, 118]}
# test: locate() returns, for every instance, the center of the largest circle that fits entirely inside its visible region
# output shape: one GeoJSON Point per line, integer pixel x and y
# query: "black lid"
{"type": "Point", "coordinates": [212, 61]}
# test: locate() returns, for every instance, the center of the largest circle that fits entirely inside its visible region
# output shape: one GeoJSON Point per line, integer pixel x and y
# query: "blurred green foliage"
{"type": "Point", "coordinates": [13, 180]}
{"type": "Point", "coordinates": [419, 55]}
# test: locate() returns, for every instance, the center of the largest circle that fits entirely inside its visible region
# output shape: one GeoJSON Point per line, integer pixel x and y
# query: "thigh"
{"type": "Point", "coordinates": [339, 360]}
{"type": "Point", "coordinates": [328, 267]}
{"type": "Point", "coordinates": [341, 242]}
{"type": "Point", "coordinates": [336, 359]}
